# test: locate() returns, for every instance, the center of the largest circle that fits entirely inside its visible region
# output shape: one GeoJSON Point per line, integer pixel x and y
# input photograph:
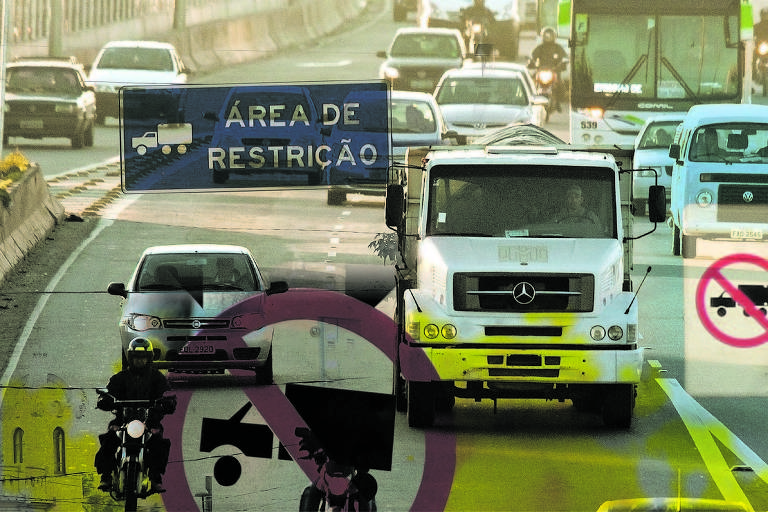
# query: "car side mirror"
{"type": "Point", "coordinates": [117, 289]}
{"type": "Point", "coordinates": [381, 54]}
{"type": "Point", "coordinates": [277, 287]}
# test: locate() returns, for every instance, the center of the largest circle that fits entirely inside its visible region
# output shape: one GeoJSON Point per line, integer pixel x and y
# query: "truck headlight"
{"type": "Point", "coordinates": [615, 332]}
{"type": "Point", "coordinates": [704, 198]}
{"type": "Point", "coordinates": [448, 331]}
{"type": "Point", "coordinates": [597, 332]}
{"type": "Point", "coordinates": [431, 331]}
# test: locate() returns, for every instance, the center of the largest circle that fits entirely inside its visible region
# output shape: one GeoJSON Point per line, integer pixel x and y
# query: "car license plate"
{"type": "Point", "coordinates": [197, 348]}
{"type": "Point", "coordinates": [422, 84]}
{"type": "Point", "coordinates": [750, 234]}
{"type": "Point", "coordinates": [31, 124]}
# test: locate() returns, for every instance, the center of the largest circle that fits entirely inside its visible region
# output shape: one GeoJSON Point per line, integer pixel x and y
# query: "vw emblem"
{"type": "Point", "coordinates": [195, 324]}
{"type": "Point", "coordinates": [747, 196]}
{"type": "Point", "coordinates": [523, 292]}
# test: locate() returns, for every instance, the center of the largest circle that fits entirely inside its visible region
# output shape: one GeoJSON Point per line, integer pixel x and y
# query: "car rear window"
{"type": "Point", "coordinates": [38, 79]}
{"type": "Point", "coordinates": [152, 59]}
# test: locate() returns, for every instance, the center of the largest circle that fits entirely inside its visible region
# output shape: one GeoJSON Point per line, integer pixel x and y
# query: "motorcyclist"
{"type": "Point", "coordinates": [549, 54]}
{"type": "Point", "coordinates": [140, 381]}
{"type": "Point", "coordinates": [760, 34]}
{"type": "Point", "coordinates": [477, 13]}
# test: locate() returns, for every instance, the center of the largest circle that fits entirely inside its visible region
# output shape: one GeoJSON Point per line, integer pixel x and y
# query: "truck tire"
{"type": "Point", "coordinates": [675, 241]}
{"type": "Point", "coordinates": [421, 404]}
{"type": "Point", "coordinates": [78, 140]}
{"type": "Point", "coordinates": [618, 405]}
{"type": "Point", "coordinates": [688, 246]}
{"type": "Point", "coordinates": [88, 136]}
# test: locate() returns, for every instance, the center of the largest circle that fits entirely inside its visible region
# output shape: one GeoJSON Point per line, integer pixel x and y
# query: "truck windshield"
{"type": "Point", "coordinates": [534, 201]}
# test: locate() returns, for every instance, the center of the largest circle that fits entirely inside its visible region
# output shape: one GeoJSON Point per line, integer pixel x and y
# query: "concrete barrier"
{"type": "Point", "coordinates": [29, 218]}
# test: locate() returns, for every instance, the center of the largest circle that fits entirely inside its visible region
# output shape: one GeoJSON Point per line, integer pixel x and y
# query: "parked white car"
{"type": "Point", "coordinates": [652, 152]}
{"type": "Point", "coordinates": [121, 63]}
{"type": "Point", "coordinates": [476, 101]}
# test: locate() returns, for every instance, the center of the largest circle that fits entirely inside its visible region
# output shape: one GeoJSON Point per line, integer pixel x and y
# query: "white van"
{"type": "Point", "coordinates": [719, 180]}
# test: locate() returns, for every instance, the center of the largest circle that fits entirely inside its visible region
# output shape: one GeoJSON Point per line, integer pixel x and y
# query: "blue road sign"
{"type": "Point", "coordinates": [187, 137]}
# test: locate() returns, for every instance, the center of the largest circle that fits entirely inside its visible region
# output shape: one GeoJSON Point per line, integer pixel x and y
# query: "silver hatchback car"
{"type": "Point", "coordinates": [183, 299]}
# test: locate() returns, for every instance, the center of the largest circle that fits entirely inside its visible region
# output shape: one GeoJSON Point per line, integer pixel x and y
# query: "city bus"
{"type": "Point", "coordinates": [630, 59]}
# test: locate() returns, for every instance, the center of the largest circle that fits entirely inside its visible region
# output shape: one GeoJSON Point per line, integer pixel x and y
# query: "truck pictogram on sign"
{"type": "Point", "coordinates": [167, 136]}
{"type": "Point", "coordinates": [757, 293]}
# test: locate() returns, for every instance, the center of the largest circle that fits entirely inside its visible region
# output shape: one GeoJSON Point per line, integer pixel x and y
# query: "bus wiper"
{"type": "Point", "coordinates": [632, 72]}
{"type": "Point", "coordinates": [680, 79]}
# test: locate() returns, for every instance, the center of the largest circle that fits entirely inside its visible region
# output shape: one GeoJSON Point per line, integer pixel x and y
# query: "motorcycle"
{"type": "Point", "coordinates": [761, 65]}
{"type": "Point", "coordinates": [338, 487]}
{"type": "Point", "coordinates": [130, 481]}
{"type": "Point", "coordinates": [475, 32]}
{"type": "Point", "coordinates": [546, 80]}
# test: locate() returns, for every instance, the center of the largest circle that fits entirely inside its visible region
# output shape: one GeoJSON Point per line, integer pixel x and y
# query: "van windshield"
{"type": "Point", "coordinates": [733, 143]}
{"type": "Point", "coordinates": [535, 201]}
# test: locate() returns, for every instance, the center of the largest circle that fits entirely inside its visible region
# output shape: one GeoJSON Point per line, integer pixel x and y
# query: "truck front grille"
{"type": "Point", "coordinates": [523, 292]}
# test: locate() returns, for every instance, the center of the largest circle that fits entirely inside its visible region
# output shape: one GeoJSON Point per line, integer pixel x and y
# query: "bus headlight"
{"type": "Point", "coordinates": [615, 332]}
{"type": "Point", "coordinates": [597, 332]}
{"type": "Point", "coordinates": [431, 331]}
{"type": "Point", "coordinates": [448, 331]}
{"type": "Point", "coordinates": [704, 198]}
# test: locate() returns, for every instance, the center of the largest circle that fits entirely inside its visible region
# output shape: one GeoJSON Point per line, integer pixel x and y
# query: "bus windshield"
{"type": "Point", "coordinates": [541, 201]}
{"type": "Point", "coordinates": [649, 57]}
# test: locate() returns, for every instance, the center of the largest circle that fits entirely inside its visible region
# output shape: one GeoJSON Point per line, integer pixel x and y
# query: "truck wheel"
{"type": "Point", "coordinates": [88, 136]}
{"type": "Point", "coordinates": [141, 150]}
{"type": "Point", "coordinates": [336, 197]}
{"type": "Point", "coordinates": [639, 206]}
{"type": "Point", "coordinates": [220, 176]}
{"type": "Point", "coordinates": [688, 246]}
{"type": "Point", "coordinates": [618, 405]}
{"type": "Point", "coordinates": [675, 241]}
{"type": "Point", "coordinates": [421, 404]}
{"type": "Point", "coordinates": [78, 140]}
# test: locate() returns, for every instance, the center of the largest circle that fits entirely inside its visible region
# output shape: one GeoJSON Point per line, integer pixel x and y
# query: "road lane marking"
{"type": "Point", "coordinates": [704, 428]}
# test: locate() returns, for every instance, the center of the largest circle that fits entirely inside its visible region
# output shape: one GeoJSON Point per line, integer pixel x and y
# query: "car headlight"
{"type": "Point", "coordinates": [64, 108]}
{"type": "Point", "coordinates": [138, 322]}
{"type": "Point", "coordinates": [704, 198]}
{"type": "Point", "coordinates": [390, 73]}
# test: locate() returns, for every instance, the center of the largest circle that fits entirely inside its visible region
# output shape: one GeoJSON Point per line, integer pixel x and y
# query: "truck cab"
{"type": "Point", "coordinates": [512, 280]}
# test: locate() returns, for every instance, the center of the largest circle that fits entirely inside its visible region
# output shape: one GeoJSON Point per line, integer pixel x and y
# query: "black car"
{"type": "Point", "coordinates": [418, 57]}
{"type": "Point", "coordinates": [49, 98]}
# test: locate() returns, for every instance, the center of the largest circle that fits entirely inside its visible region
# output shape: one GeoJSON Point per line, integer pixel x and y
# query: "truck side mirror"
{"type": "Point", "coordinates": [394, 205]}
{"type": "Point", "coordinates": [657, 203]}
{"type": "Point", "coordinates": [674, 151]}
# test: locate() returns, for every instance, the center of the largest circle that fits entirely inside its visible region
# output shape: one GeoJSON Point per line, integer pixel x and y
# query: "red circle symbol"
{"type": "Point", "coordinates": [714, 274]}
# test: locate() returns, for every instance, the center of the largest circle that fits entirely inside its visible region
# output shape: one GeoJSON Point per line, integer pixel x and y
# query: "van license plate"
{"type": "Point", "coordinates": [750, 234]}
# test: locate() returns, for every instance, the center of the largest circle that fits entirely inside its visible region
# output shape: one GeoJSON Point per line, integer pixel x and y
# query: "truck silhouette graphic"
{"type": "Point", "coordinates": [167, 136]}
{"type": "Point", "coordinates": [757, 293]}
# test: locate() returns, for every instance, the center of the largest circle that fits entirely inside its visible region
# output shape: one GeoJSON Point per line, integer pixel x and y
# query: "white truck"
{"type": "Point", "coordinates": [500, 293]}
{"type": "Point", "coordinates": [167, 136]}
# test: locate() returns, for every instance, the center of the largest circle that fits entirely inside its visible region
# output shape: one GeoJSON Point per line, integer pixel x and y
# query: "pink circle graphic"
{"type": "Point", "coordinates": [280, 415]}
{"type": "Point", "coordinates": [714, 274]}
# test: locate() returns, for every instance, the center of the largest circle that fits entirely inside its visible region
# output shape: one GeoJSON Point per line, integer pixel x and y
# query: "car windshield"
{"type": "Point", "coordinates": [425, 45]}
{"type": "Point", "coordinates": [482, 90]}
{"type": "Point", "coordinates": [63, 82]}
{"type": "Point", "coordinates": [412, 117]}
{"type": "Point", "coordinates": [733, 143]}
{"type": "Point", "coordinates": [658, 135]}
{"type": "Point", "coordinates": [152, 59]}
{"type": "Point", "coordinates": [197, 271]}
{"type": "Point", "coordinates": [541, 201]}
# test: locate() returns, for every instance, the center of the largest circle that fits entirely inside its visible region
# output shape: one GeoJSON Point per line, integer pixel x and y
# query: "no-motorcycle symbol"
{"type": "Point", "coordinates": [751, 298]}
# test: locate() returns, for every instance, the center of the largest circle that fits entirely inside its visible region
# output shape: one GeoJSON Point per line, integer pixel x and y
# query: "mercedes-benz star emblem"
{"type": "Point", "coordinates": [523, 292]}
{"type": "Point", "coordinates": [747, 196]}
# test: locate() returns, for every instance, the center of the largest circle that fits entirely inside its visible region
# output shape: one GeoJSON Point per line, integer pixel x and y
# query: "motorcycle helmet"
{"type": "Point", "coordinates": [548, 35]}
{"type": "Point", "coordinates": [139, 348]}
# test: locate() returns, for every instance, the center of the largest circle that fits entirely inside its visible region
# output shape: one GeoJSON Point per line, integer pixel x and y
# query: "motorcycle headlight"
{"type": "Point", "coordinates": [546, 76]}
{"type": "Point", "coordinates": [135, 429]}
{"type": "Point", "coordinates": [762, 48]}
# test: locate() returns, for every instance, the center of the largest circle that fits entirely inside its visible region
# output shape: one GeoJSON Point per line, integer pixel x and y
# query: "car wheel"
{"type": "Point", "coordinates": [265, 375]}
{"type": "Point", "coordinates": [78, 140]}
{"type": "Point", "coordinates": [88, 136]}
